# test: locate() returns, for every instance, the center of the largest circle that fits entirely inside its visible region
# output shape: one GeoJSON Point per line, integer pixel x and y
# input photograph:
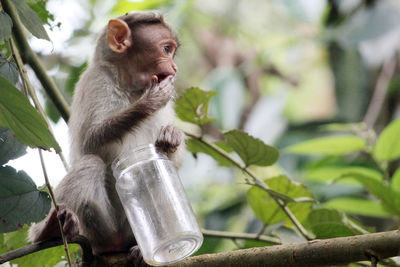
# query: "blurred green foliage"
{"type": "Point", "coordinates": [300, 75]}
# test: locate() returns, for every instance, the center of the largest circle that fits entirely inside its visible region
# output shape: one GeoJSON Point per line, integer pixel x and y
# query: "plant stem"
{"type": "Point", "coordinates": [29, 90]}
{"type": "Point", "coordinates": [243, 236]}
{"type": "Point", "coordinates": [257, 182]}
{"type": "Point", "coordinates": [379, 95]}
{"type": "Point", "coordinates": [55, 206]}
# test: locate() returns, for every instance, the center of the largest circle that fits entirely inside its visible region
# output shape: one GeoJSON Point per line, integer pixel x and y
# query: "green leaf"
{"type": "Point", "coordinates": [358, 206]}
{"type": "Point", "coordinates": [3, 248]}
{"type": "Point", "coordinates": [47, 257]}
{"type": "Point", "coordinates": [327, 223]}
{"type": "Point", "coordinates": [8, 70]}
{"type": "Point", "coordinates": [332, 145]}
{"type": "Point", "coordinates": [40, 9]}
{"type": "Point", "coordinates": [9, 147]}
{"type": "Point", "coordinates": [21, 203]}
{"type": "Point", "coordinates": [327, 174]}
{"type": "Point", "coordinates": [73, 77]}
{"type": "Point", "coordinates": [251, 150]}
{"type": "Point", "coordinates": [126, 6]}
{"type": "Point", "coordinates": [266, 209]}
{"type": "Point", "coordinates": [224, 146]}
{"type": "Point", "coordinates": [387, 147]}
{"type": "Point", "coordinates": [195, 146]}
{"type": "Point", "coordinates": [395, 183]}
{"type": "Point", "coordinates": [390, 199]}
{"type": "Point", "coordinates": [192, 106]}
{"type": "Point", "coordinates": [30, 19]}
{"type": "Point", "coordinates": [6, 25]}
{"type": "Point", "coordinates": [350, 77]}
{"type": "Point", "coordinates": [52, 111]}
{"type": "Point", "coordinates": [17, 114]}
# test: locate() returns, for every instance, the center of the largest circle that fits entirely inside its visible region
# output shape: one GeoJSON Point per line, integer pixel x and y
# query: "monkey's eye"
{"type": "Point", "coordinates": [167, 49]}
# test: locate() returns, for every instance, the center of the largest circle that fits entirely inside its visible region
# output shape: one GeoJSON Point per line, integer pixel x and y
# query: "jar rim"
{"type": "Point", "coordinates": [133, 156]}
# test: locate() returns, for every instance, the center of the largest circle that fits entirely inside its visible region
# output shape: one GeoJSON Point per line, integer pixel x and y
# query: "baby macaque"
{"type": "Point", "coordinates": [122, 100]}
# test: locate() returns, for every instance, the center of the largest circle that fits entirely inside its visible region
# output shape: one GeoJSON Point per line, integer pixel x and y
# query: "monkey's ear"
{"type": "Point", "coordinates": [118, 36]}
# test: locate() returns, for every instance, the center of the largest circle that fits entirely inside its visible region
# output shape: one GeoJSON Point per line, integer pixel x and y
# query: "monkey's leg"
{"type": "Point", "coordinates": [49, 228]}
{"type": "Point", "coordinates": [86, 191]}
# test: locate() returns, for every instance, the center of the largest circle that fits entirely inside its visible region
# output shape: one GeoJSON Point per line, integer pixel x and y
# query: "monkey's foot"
{"type": "Point", "coordinates": [69, 221]}
{"type": "Point", "coordinates": [137, 257]}
{"type": "Point", "coordinates": [169, 139]}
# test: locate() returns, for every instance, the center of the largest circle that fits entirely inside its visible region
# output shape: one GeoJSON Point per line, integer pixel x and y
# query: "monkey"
{"type": "Point", "coordinates": [122, 100]}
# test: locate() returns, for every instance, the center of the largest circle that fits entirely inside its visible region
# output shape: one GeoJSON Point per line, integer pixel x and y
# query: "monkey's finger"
{"type": "Point", "coordinates": [154, 79]}
{"type": "Point", "coordinates": [168, 90]}
{"type": "Point", "coordinates": [70, 228]}
{"type": "Point", "coordinates": [167, 82]}
{"type": "Point", "coordinates": [61, 214]}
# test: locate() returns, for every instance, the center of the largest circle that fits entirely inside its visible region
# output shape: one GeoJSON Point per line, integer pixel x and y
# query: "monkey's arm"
{"type": "Point", "coordinates": [115, 126]}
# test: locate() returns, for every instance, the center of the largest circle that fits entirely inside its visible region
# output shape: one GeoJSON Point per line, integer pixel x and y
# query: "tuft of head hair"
{"type": "Point", "coordinates": [145, 17]}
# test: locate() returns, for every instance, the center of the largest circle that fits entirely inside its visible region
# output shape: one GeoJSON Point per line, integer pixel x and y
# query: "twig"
{"type": "Point", "coordinates": [242, 236]}
{"type": "Point", "coordinates": [379, 95]}
{"type": "Point", "coordinates": [32, 59]}
{"type": "Point", "coordinates": [257, 182]}
{"type": "Point", "coordinates": [55, 206]}
{"type": "Point", "coordinates": [29, 249]}
{"type": "Point", "coordinates": [35, 247]}
{"type": "Point", "coordinates": [273, 70]}
{"type": "Point", "coordinates": [28, 88]}
{"type": "Point", "coordinates": [262, 230]}
{"type": "Point", "coordinates": [328, 252]}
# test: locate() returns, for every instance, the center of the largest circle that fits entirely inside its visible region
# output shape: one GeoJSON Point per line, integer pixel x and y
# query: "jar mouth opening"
{"type": "Point", "coordinates": [135, 155]}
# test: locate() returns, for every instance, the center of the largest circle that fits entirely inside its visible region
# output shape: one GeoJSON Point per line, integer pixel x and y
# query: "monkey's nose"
{"type": "Point", "coordinates": [175, 67]}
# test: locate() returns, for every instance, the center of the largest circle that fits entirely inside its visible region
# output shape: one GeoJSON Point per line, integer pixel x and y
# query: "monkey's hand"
{"type": "Point", "coordinates": [158, 95]}
{"type": "Point", "coordinates": [169, 139]}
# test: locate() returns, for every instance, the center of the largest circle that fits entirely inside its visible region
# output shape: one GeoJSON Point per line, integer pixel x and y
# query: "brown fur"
{"type": "Point", "coordinates": [121, 101]}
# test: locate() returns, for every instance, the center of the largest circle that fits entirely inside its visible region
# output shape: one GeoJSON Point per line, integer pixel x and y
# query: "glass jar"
{"type": "Point", "coordinates": [156, 206]}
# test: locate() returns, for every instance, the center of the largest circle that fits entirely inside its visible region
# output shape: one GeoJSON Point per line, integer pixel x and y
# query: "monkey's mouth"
{"type": "Point", "coordinates": [161, 76]}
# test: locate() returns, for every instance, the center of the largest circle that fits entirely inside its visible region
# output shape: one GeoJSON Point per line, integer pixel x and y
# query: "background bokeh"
{"type": "Point", "coordinates": [282, 69]}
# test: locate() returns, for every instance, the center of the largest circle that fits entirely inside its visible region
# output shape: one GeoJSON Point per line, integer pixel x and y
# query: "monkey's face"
{"type": "Point", "coordinates": [152, 54]}
{"type": "Point", "coordinates": [146, 53]}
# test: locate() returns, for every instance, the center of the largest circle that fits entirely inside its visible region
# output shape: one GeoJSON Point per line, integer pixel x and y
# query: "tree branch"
{"type": "Point", "coordinates": [30, 57]}
{"type": "Point", "coordinates": [379, 96]}
{"type": "Point", "coordinates": [87, 254]}
{"type": "Point", "coordinates": [242, 236]}
{"type": "Point", "coordinates": [335, 251]}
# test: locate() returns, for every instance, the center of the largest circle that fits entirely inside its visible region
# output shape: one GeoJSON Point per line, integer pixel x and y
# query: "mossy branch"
{"type": "Point", "coordinates": [328, 252]}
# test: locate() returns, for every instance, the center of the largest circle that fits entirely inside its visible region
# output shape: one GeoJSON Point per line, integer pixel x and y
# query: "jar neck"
{"type": "Point", "coordinates": [138, 154]}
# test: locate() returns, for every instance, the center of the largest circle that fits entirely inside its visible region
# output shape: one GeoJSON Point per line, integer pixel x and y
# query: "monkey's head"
{"type": "Point", "coordinates": [142, 48]}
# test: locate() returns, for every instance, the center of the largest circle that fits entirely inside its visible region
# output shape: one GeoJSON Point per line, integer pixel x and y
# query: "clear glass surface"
{"type": "Point", "coordinates": [156, 206]}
